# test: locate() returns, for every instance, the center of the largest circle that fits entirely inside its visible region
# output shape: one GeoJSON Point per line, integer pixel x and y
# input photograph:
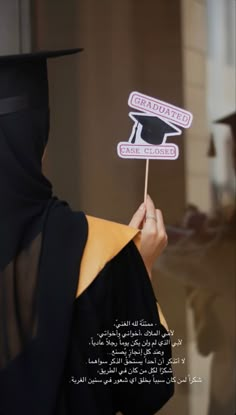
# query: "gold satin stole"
{"type": "Point", "coordinates": [105, 240]}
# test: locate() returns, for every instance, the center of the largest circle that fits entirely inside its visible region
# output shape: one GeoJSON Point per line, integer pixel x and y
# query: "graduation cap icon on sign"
{"type": "Point", "coordinates": [150, 128]}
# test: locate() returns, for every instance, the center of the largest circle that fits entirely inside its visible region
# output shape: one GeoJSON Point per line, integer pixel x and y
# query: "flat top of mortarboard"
{"type": "Point", "coordinates": [228, 119]}
{"type": "Point", "coordinates": [38, 55]}
{"type": "Point", "coordinates": [153, 123]}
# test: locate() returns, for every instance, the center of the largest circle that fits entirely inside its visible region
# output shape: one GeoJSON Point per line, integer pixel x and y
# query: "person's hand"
{"type": "Point", "coordinates": [154, 237]}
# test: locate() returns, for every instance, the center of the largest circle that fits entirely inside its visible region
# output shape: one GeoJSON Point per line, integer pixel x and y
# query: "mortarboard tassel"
{"type": "Point", "coordinates": [212, 148]}
{"type": "Point", "coordinates": [133, 138]}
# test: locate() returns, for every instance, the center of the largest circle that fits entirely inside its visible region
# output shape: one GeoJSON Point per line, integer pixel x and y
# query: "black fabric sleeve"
{"type": "Point", "coordinates": [122, 292]}
{"type": "Point", "coordinates": [134, 299]}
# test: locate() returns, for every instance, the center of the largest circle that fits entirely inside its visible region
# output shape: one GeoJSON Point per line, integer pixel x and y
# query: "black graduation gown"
{"type": "Point", "coordinates": [37, 291]}
{"type": "Point", "coordinates": [121, 292]}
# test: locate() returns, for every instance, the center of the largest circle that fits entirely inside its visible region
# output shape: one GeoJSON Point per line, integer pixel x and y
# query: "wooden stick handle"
{"type": "Point", "coordinates": [146, 180]}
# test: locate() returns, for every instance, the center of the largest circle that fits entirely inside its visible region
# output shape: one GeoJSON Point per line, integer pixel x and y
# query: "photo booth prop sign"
{"type": "Point", "coordinates": [155, 122]}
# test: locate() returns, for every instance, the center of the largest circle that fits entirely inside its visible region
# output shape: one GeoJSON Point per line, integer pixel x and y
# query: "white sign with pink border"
{"type": "Point", "coordinates": [153, 124]}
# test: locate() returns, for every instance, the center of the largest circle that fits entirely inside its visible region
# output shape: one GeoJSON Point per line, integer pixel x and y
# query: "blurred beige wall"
{"type": "Point", "coordinates": [55, 24]}
{"type": "Point", "coordinates": [194, 50]}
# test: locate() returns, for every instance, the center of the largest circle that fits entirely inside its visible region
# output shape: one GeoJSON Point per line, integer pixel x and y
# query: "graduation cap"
{"type": "Point", "coordinates": [228, 120]}
{"type": "Point", "coordinates": [24, 81]}
{"type": "Point", "coordinates": [153, 129]}
{"type": "Point", "coordinates": [231, 121]}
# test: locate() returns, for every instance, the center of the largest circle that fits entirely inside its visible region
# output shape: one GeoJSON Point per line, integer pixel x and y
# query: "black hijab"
{"type": "Point", "coordinates": [41, 245]}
